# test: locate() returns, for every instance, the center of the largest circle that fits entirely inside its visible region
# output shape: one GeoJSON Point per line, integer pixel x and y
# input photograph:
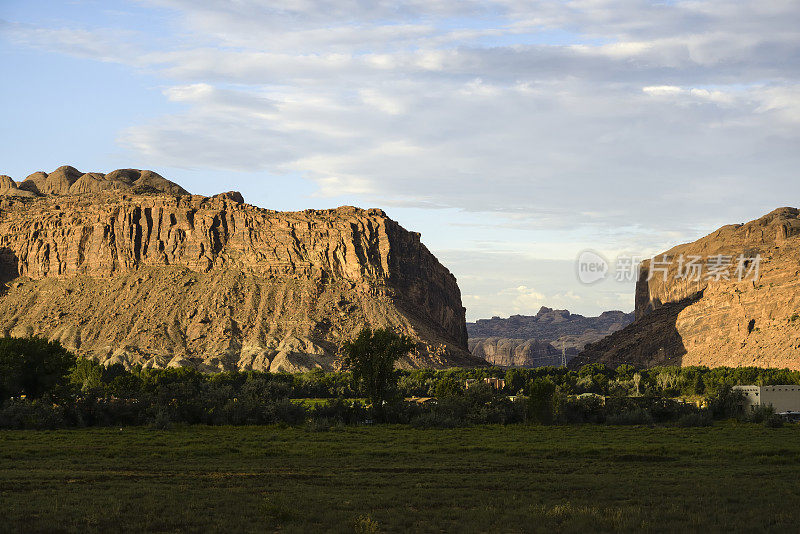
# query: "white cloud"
{"type": "Point", "coordinates": [688, 94]}
{"type": "Point", "coordinates": [560, 154]}
{"type": "Point", "coordinates": [663, 90]}
{"type": "Point", "coordinates": [784, 102]}
{"type": "Point", "coordinates": [625, 118]}
{"type": "Point", "coordinates": [114, 46]}
{"type": "Point", "coordinates": [381, 102]}
{"type": "Point", "coordinates": [525, 299]}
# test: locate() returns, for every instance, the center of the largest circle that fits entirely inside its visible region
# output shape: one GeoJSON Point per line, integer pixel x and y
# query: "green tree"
{"type": "Point", "coordinates": [699, 385]}
{"type": "Point", "coordinates": [636, 382]}
{"type": "Point", "coordinates": [515, 380]}
{"type": "Point", "coordinates": [34, 367]}
{"type": "Point", "coordinates": [540, 401]}
{"type": "Point", "coordinates": [371, 357]}
{"type": "Point", "coordinates": [625, 371]}
{"type": "Point", "coordinates": [448, 387]}
{"type": "Point", "coordinates": [87, 375]}
{"type": "Point", "coordinates": [726, 403]}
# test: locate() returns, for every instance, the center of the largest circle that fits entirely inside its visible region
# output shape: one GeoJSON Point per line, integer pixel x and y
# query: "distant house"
{"type": "Point", "coordinates": [496, 383]}
{"type": "Point", "coordinates": [783, 399]}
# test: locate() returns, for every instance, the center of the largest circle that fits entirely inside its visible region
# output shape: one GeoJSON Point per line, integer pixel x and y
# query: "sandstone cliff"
{"type": "Point", "coordinates": [127, 267]}
{"type": "Point", "coordinates": [538, 340]}
{"type": "Point", "coordinates": [508, 352]}
{"type": "Point", "coordinates": [725, 322]}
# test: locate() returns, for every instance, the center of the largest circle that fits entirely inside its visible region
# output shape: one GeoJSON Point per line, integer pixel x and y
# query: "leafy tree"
{"type": "Point", "coordinates": [448, 387]}
{"type": "Point", "coordinates": [371, 357]}
{"type": "Point", "coordinates": [87, 375]}
{"type": "Point", "coordinates": [726, 403]}
{"type": "Point", "coordinates": [593, 369]}
{"type": "Point", "coordinates": [515, 379]}
{"type": "Point", "coordinates": [625, 371]}
{"type": "Point", "coordinates": [33, 367]}
{"type": "Point", "coordinates": [540, 402]}
{"type": "Point", "coordinates": [699, 385]}
{"type": "Point", "coordinates": [124, 385]}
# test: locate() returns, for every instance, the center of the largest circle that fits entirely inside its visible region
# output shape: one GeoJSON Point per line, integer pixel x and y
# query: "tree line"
{"type": "Point", "coordinates": [42, 385]}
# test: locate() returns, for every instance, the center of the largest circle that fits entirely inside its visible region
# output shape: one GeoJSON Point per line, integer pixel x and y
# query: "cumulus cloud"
{"type": "Point", "coordinates": [550, 153]}
{"type": "Point", "coordinates": [525, 284]}
{"type": "Point", "coordinates": [629, 118]}
{"type": "Point", "coordinates": [408, 105]}
{"type": "Point", "coordinates": [524, 299]}
{"type": "Point", "coordinates": [422, 103]}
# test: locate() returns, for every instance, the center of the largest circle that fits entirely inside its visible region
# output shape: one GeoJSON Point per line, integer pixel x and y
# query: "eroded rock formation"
{"type": "Point", "coordinates": [127, 267]}
{"type": "Point", "coordinates": [509, 352]}
{"type": "Point", "coordinates": [538, 340]}
{"type": "Point", "coordinates": [68, 180]}
{"type": "Point", "coordinates": [725, 322]}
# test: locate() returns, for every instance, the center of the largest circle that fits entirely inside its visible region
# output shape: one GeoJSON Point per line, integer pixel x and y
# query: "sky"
{"type": "Point", "coordinates": [512, 134]}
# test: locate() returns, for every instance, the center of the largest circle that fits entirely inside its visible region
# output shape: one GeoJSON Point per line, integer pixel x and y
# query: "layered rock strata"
{"type": "Point", "coordinates": [742, 310]}
{"type": "Point", "coordinates": [127, 267]}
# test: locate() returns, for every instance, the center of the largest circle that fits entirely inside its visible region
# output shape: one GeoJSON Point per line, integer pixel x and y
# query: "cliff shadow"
{"type": "Point", "coordinates": [652, 339]}
{"type": "Point", "coordinates": [9, 267]}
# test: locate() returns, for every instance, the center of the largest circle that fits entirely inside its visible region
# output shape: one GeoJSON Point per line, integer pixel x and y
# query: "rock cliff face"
{"type": "Point", "coordinates": [725, 322]}
{"type": "Point", "coordinates": [538, 340]}
{"type": "Point", "coordinates": [127, 267]}
{"type": "Point", "coordinates": [508, 352]}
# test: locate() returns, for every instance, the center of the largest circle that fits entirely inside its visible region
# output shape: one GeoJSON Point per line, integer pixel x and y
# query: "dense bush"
{"type": "Point", "coordinates": [31, 414]}
{"type": "Point", "coordinates": [757, 414]}
{"type": "Point", "coordinates": [540, 401]}
{"type": "Point", "coordinates": [725, 403]}
{"type": "Point", "coordinates": [33, 367]}
{"type": "Point", "coordinates": [773, 421]}
{"type": "Point", "coordinates": [764, 415]}
{"type": "Point", "coordinates": [695, 419]}
{"type": "Point", "coordinates": [340, 411]}
{"type": "Point", "coordinates": [578, 410]}
{"type": "Point", "coordinates": [480, 404]}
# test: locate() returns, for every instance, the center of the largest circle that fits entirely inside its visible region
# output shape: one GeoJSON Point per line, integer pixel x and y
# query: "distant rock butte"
{"type": "Point", "coordinates": [509, 352]}
{"type": "Point", "coordinates": [717, 323]}
{"type": "Point", "coordinates": [68, 180]}
{"type": "Point", "coordinates": [129, 268]}
{"type": "Point", "coordinates": [538, 340]}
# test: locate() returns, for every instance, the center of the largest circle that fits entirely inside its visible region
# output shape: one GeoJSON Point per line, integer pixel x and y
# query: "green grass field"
{"type": "Point", "coordinates": [738, 477]}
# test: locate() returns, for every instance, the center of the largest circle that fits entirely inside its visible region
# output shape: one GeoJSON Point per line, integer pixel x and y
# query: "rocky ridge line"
{"type": "Point", "coordinates": [129, 268]}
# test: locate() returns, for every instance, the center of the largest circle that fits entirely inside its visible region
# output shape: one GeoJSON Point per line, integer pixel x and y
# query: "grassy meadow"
{"type": "Point", "coordinates": [519, 478]}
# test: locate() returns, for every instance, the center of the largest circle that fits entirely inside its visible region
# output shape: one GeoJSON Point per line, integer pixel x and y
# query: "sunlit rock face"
{"type": "Point", "coordinates": [127, 267]}
{"type": "Point", "coordinates": [682, 320]}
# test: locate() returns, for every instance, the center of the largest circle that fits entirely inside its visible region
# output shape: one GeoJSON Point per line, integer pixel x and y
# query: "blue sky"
{"type": "Point", "coordinates": [511, 133]}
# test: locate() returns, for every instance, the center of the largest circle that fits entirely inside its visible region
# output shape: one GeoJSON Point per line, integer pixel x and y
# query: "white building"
{"type": "Point", "coordinates": [781, 398]}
